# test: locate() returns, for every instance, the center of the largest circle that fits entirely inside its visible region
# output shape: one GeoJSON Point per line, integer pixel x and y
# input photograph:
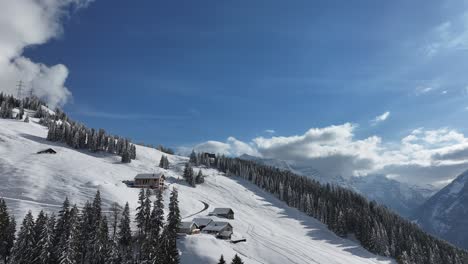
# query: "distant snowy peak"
{"type": "Point", "coordinates": [445, 214]}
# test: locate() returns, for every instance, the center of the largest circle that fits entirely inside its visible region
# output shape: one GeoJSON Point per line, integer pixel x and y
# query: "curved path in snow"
{"type": "Point", "coordinates": [205, 207]}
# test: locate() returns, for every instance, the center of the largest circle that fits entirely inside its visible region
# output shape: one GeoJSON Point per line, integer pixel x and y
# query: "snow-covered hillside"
{"type": "Point", "coordinates": [398, 196]}
{"type": "Point", "coordinates": [275, 233]}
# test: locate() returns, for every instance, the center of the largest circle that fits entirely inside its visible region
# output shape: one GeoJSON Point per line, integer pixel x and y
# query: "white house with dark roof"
{"type": "Point", "coordinates": [219, 229]}
{"type": "Point", "coordinates": [223, 212]}
{"type": "Point", "coordinates": [150, 180]}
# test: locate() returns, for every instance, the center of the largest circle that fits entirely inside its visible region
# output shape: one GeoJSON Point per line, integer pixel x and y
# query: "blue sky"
{"type": "Point", "coordinates": [368, 84]}
{"type": "Point", "coordinates": [182, 72]}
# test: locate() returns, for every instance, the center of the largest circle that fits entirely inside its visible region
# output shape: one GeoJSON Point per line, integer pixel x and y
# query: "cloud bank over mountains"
{"type": "Point", "coordinates": [422, 157]}
{"type": "Point", "coordinates": [24, 23]}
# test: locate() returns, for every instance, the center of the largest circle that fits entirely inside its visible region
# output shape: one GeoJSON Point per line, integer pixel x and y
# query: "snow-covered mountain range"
{"type": "Point", "coordinates": [400, 197]}
{"type": "Point", "coordinates": [275, 233]}
{"type": "Point", "coordinates": [445, 214]}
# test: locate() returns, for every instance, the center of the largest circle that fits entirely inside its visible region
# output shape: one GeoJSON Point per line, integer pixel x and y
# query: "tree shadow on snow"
{"type": "Point", "coordinates": [316, 230]}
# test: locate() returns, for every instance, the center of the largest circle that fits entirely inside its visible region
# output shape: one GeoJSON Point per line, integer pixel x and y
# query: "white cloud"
{"type": "Point", "coordinates": [232, 147]}
{"type": "Point", "coordinates": [420, 90]}
{"type": "Point", "coordinates": [270, 131]}
{"type": "Point", "coordinates": [421, 157]}
{"type": "Point", "coordinates": [448, 36]}
{"type": "Point", "coordinates": [24, 23]}
{"type": "Point", "coordinates": [380, 118]}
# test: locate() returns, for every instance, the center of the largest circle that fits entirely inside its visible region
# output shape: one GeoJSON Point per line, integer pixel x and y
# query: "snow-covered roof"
{"type": "Point", "coordinates": [202, 221]}
{"type": "Point", "coordinates": [216, 226]}
{"type": "Point", "coordinates": [186, 225]}
{"type": "Point", "coordinates": [222, 211]}
{"type": "Point", "coordinates": [149, 176]}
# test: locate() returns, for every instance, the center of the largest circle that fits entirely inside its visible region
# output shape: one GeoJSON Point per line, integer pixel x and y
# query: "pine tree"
{"type": "Point", "coordinates": [21, 252]}
{"type": "Point", "coordinates": [140, 212]}
{"type": "Point", "coordinates": [200, 178]}
{"type": "Point", "coordinates": [101, 249]}
{"type": "Point", "coordinates": [189, 174]}
{"type": "Point", "coordinates": [126, 157]}
{"type": "Point", "coordinates": [164, 162]}
{"type": "Point", "coordinates": [115, 211]}
{"type": "Point", "coordinates": [62, 229]}
{"type": "Point", "coordinates": [157, 224]}
{"type": "Point", "coordinates": [97, 211]}
{"type": "Point", "coordinates": [7, 231]}
{"type": "Point", "coordinates": [46, 242]}
{"type": "Point", "coordinates": [87, 229]}
{"type": "Point", "coordinates": [144, 237]}
{"type": "Point", "coordinates": [125, 236]}
{"type": "Point", "coordinates": [237, 260]}
{"type": "Point", "coordinates": [193, 158]}
{"type": "Point", "coordinates": [39, 226]}
{"type": "Point", "coordinates": [169, 246]}
{"type": "Point", "coordinates": [70, 253]}
{"type": "Point", "coordinates": [132, 152]}
{"type": "Point", "coordinates": [221, 260]}
{"type": "Point", "coordinates": [114, 254]}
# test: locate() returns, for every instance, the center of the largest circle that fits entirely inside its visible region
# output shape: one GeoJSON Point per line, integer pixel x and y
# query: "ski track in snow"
{"type": "Point", "coordinates": [275, 233]}
{"type": "Point", "coordinates": [205, 207]}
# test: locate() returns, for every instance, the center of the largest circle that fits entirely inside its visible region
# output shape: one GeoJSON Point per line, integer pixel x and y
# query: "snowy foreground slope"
{"type": "Point", "coordinates": [275, 233]}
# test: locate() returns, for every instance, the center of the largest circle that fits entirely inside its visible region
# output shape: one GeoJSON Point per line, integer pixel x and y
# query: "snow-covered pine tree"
{"type": "Point", "coordinates": [21, 252]}
{"type": "Point", "coordinates": [101, 249]}
{"type": "Point", "coordinates": [46, 242]}
{"type": "Point", "coordinates": [124, 236]}
{"type": "Point", "coordinates": [39, 226]}
{"type": "Point", "coordinates": [70, 251]}
{"type": "Point", "coordinates": [6, 110]}
{"type": "Point", "coordinates": [7, 231]}
{"type": "Point", "coordinates": [140, 212]}
{"type": "Point", "coordinates": [62, 228]}
{"type": "Point", "coordinates": [170, 253]}
{"type": "Point", "coordinates": [87, 228]}
{"type": "Point", "coordinates": [97, 211]}
{"type": "Point", "coordinates": [157, 225]}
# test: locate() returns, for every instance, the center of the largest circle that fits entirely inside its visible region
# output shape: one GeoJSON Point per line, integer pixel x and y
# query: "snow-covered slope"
{"type": "Point", "coordinates": [275, 233]}
{"type": "Point", "coordinates": [400, 197]}
{"type": "Point", "coordinates": [446, 213]}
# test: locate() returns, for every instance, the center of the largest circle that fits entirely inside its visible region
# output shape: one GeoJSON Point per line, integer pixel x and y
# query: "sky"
{"type": "Point", "coordinates": [350, 88]}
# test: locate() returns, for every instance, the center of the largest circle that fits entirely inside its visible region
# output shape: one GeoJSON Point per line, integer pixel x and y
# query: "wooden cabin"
{"type": "Point", "coordinates": [221, 230]}
{"type": "Point", "coordinates": [223, 212]}
{"type": "Point", "coordinates": [187, 228]}
{"type": "Point", "coordinates": [149, 180]}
